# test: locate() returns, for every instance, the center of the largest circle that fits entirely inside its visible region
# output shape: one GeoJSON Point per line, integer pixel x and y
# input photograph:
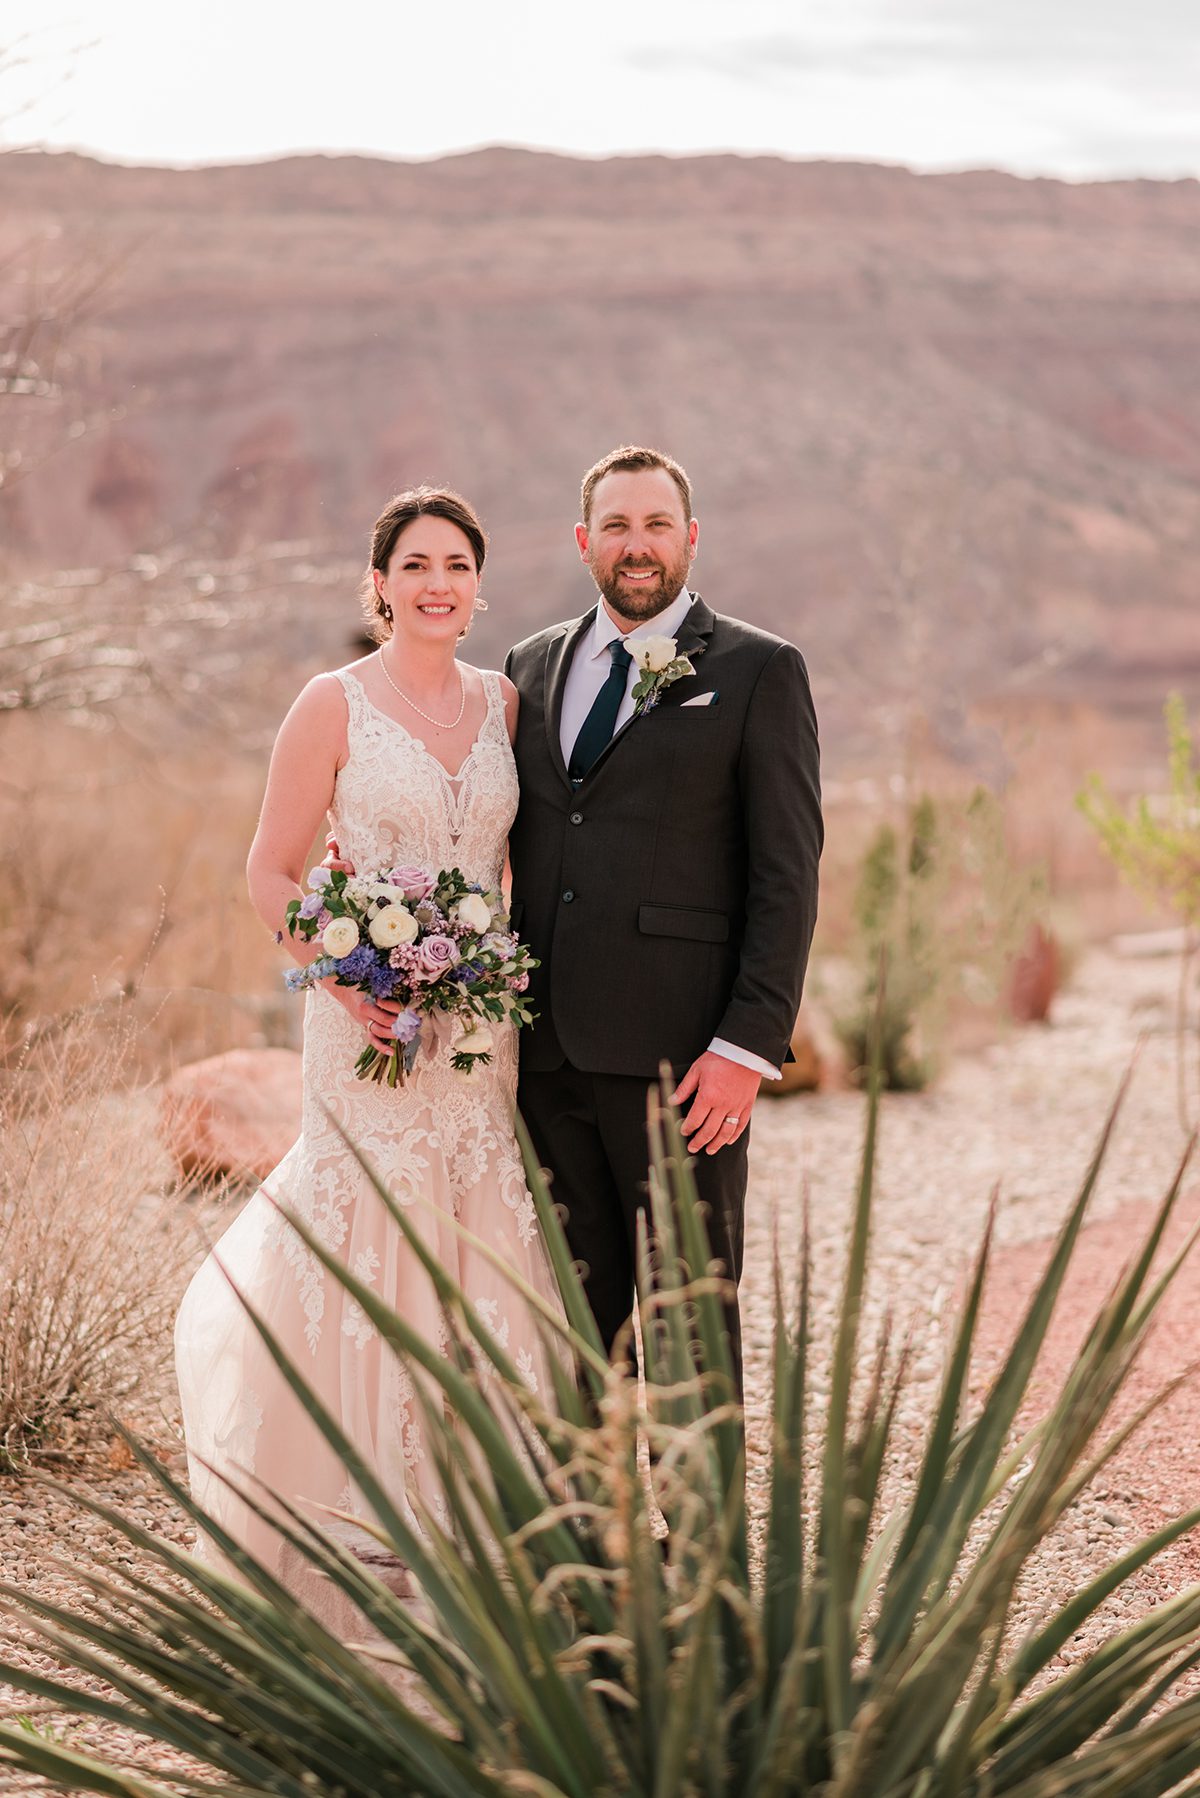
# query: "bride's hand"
{"type": "Point", "coordinates": [376, 1017]}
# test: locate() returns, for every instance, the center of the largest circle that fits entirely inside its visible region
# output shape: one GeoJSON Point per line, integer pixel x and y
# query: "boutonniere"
{"type": "Point", "coordinates": [660, 666]}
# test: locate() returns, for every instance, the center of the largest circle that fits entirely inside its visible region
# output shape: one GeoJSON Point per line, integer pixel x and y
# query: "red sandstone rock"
{"type": "Point", "coordinates": [237, 1113]}
{"type": "Point", "coordinates": [818, 1060]}
{"type": "Point", "coordinates": [1036, 974]}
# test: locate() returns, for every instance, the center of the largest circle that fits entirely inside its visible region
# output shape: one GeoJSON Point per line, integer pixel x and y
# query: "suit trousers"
{"type": "Point", "coordinates": [589, 1131]}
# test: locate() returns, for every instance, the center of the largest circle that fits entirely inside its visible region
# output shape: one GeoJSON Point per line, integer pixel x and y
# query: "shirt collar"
{"type": "Point", "coordinates": [665, 624]}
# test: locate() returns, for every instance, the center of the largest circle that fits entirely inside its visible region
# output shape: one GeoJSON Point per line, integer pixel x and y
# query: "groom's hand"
{"type": "Point", "coordinates": [720, 1090]}
{"type": "Point", "coordinates": [333, 857]}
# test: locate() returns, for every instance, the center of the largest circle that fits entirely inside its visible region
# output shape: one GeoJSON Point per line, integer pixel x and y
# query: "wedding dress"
{"type": "Point", "coordinates": [443, 1145]}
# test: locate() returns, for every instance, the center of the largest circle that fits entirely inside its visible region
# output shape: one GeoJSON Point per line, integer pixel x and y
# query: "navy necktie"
{"type": "Point", "coordinates": [598, 726]}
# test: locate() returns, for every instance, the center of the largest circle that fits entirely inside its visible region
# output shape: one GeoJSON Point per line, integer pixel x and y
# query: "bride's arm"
{"type": "Point", "coordinates": [310, 748]}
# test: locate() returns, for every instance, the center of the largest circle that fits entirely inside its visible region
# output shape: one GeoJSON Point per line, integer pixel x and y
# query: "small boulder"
{"type": "Point", "coordinates": [817, 1061]}
{"type": "Point", "coordinates": [235, 1114]}
{"type": "Point", "coordinates": [1035, 978]}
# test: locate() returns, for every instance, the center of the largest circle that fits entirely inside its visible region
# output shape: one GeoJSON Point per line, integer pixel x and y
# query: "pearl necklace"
{"type": "Point", "coordinates": [454, 723]}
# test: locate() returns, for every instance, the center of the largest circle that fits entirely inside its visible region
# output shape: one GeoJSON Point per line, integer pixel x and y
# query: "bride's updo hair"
{"type": "Point", "coordinates": [417, 502]}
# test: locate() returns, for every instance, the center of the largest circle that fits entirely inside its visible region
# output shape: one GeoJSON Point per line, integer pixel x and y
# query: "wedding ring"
{"type": "Point", "coordinates": [733, 1120]}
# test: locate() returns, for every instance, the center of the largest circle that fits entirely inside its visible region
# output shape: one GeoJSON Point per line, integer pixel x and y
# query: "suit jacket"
{"type": "Point", "coordinates": [672, 896]}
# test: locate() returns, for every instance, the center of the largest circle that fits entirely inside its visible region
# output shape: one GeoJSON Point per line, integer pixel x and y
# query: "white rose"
{"type": "Point", "coordinates": [394, 925]}
{"type": "Point", "coordinates": [654, 653]}
{"type": "Point", "coordinates": [474, 911]}
{"type": "Point", "coordinates": [475, 1042]}
{"type": "Point", "coordinates": [339, 936]}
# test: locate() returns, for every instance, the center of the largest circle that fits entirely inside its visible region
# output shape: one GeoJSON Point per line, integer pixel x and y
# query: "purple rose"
{"type": "Point", "coordinates": [434, 957]}
{"type": "Point", "coordinates": [413, 882]}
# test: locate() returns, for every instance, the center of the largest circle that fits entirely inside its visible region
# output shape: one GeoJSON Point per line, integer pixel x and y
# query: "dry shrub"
{"type": "Point", "coordinates": [941, 912]}
{"type": "Point", "coordinates": [90, 1265]}
{"type": "Point", "coordinates": [122, 882]}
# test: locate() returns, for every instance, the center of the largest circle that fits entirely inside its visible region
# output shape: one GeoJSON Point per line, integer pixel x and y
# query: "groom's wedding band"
{"type": "Point", "coordinates": [734, 1120]}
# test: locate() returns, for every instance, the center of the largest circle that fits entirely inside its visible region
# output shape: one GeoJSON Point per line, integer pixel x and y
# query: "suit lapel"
{"type": "Point", "coordinates": [559, 656]}
{"type": "Point", "coordinates": [695, 631]}
{"type": "Point", "coordinates": [692, 639]}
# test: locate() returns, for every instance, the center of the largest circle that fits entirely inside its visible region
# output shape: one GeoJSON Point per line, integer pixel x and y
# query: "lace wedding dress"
{"type": "Point", "coordinates": [443, 1144]}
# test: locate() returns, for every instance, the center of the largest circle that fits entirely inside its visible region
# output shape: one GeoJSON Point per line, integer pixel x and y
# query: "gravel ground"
{"type": "Point", "coordinates": [1022, 1119]}
{"type": "Point", "coordinates": [1023, 1115]}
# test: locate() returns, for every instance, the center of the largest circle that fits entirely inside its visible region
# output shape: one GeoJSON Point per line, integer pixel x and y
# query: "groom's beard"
{"type": "Point", "coordinates": [648, 598]}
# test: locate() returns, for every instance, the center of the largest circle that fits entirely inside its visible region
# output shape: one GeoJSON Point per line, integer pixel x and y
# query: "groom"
{"type": "Point", "coordinates": [664, 870]}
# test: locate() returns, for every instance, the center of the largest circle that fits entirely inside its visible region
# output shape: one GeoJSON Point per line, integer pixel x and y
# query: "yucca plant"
{"type": "Point", "coordinates": [557, 1648]}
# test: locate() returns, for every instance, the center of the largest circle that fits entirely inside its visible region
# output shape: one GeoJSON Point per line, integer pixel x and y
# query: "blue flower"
{"type": "Point", "coordinates": [357, 965]}
{"type": "Point", "coordinates": [407, 1026]}
{"type": "Point", "coordinates": [381, 979]}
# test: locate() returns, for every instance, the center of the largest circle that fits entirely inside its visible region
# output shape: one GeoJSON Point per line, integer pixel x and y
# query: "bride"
{"type": "Point", "coordinates": [408, 754]}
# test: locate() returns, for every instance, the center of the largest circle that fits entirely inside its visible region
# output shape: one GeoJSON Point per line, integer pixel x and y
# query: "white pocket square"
{"type": "Point", "coordinates": [700, 699]}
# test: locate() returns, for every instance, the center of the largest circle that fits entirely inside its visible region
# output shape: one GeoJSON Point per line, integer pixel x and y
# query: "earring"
{"type": "Point", "coordinates": [387, 610]}
{"type": "Point", "coordinates": [481, 604]}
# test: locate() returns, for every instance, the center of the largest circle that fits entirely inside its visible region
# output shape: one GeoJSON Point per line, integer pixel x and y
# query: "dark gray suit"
{"type": "Point", "coordinates": [671, 899]}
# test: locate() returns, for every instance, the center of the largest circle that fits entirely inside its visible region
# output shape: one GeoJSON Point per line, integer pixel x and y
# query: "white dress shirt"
{"type": "Point", "coordinates": [587, 674]}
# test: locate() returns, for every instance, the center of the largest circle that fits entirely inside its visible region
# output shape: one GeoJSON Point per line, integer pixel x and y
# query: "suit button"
{"type": "Point", "coordinates": [577, 817]}
{"type": "Point", "coordinates": [568, 896]}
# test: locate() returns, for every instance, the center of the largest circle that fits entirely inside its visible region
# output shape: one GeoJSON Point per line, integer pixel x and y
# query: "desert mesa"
{"type": "Point", "coordinates": [944, 429]}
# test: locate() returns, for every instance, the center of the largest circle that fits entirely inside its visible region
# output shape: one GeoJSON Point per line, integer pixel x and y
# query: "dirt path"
{"type": "Point", "coordinates": [1156, 1476]}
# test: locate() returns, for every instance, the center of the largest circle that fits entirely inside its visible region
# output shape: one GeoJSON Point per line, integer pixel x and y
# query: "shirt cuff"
{"type": "Point", "coordinates": [731, 1052]}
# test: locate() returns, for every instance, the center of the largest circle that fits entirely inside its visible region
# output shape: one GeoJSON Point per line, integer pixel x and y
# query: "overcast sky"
{"type": "Point", "coordinates": [1080, 88]}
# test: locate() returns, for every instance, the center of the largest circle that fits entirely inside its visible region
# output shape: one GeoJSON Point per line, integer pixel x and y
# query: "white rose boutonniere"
{"type": "Point", "coordinates": [659, 666]}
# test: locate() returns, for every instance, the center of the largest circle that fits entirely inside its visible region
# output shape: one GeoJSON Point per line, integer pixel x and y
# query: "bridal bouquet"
{"type": "Point", "coordinates": [433, 943]}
